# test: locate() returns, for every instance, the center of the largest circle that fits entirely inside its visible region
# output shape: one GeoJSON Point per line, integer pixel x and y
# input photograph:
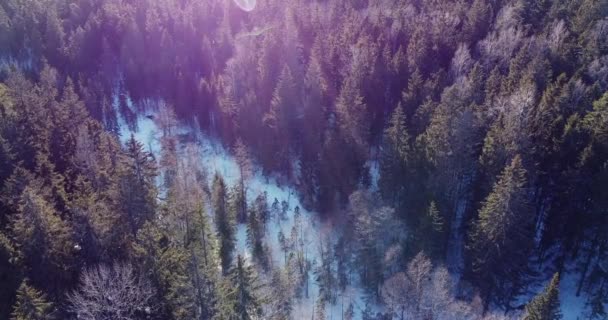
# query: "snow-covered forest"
{"type": "Point", "coordinates": [303, 159]}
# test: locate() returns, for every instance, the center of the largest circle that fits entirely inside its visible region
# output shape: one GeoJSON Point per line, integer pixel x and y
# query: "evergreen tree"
{"type": "Point", "coordinates": [224, 222]}
{"type": "Point", "coordinates": [394, 155]}
{"type": "Point", "coordinates": [237, 203]}
{"type": "Point", "coordinates": [243, 159]}
{"type": "Point", "coordinates": [325, 274]}
{"type": "Point", "coordinates": [282, 299]}
{"type": "Point", "coordinates": [353, 115]}
{"type": "Point", "coordinates": [44, 239]}
{"type": "Point", "coordinates": [138, 185]}
{"type": "Point", "coordinates": [501, 238]}
{"type": "Point", "coordinates": [260, 206]}
{"type": "Point", "coordinates": [168, 265]}
{"type": "Point", "coordinates": [314, 114]}
{"type": "Point", "coordinates": [31, 304]}
{"type": "Point", "coordinates": [245, 296]}
{"type": "Point", "coordinates": [280, 120]}
{"type": "Point", "coordinates": [545, 306]}
{"type": "Point", "coordinates": [432, 231]}
{"type": "Point", "coordinates": [255, 238]}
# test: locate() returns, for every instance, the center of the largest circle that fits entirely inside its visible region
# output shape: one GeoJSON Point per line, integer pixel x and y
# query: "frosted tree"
{"type": "Point", "coordinates": [395, 292]}
{"type": "Point", "coordinates": [405, 292]}
{"type": "Point", "coordinates": [111, 292]}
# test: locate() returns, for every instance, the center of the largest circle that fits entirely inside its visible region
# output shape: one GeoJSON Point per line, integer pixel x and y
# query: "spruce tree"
{"type": "Point", "coordinates": [255, 238]}
{"type": "Point", "coordinates": [168, 264]}
{"type": "Point", "coordinates": [431, 232]}
{"type": "Point", "coordinates": [353, 117]}
{"type": "Point", "coordinates": [282, 295]}
{"type": "Point", "coordinates": [44, 239]}
{"type": "Point", "coordinates": [324, 273]}
{"type": "Point", "coordinates": [394, 156]}
{"type": "Point", "coordinates": [247, 304]}
{"type": "Point", "coordinates": [31, 304]}
{"type": "Point", "coordinates": [545, 306]}
{"type": "Point", "coordinates": [224, 221]}
{"type": "Point", "coordinates": [243, 160]}
{"type": "Point", "coordinates": [280, 121]}
{"type": "Point", "coordinates": [501, 238]}
{"type": "Point", "coordinates": [138, 185]}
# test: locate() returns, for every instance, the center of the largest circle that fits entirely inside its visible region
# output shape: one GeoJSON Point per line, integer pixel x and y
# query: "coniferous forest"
{"type": "Point", "coordinates": [303, 159]}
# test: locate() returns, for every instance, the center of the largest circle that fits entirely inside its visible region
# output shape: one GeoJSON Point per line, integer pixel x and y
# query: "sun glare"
{"type": "Point", "coordinates": [247, 5]}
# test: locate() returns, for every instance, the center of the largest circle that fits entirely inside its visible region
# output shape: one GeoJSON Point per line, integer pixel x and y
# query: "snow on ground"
{"type": "Point", "coordinates": [572, 306]}
{"type": "Point", "coordinates": [7, 63]}
{"type": "Point", "coordinates": [217, 159]}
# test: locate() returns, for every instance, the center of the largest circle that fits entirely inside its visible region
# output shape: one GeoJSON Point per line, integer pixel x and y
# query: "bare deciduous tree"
{"type": "Point", "coordinates": [111, 293]}
{"type": "Point", "coordinates": [404, 292]}
{"type": "Point", "coordinates": [395, 294]}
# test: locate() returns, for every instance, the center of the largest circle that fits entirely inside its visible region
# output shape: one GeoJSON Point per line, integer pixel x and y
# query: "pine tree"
{"type": "Point", "coordinates": [325, 274]}
{"type": "Point", "coordinates": [282, 299]}
{"type": "Point", "coordinates": [280, 120]}
{"type": "Point", "coordinates": [371, 224]}
{"type": "Point", "coordinates": [501, 238]}
{"type": "Point", "coordinates": [168, 264]}
{"type": "Point", "coordinates": [138, 185]}
{"type": "Point", "coordinates": [315, 87]}
{"type": "Point", "coordinates": [260, 206]}
{"type": "Point", "coordinates": [255, 238]}
{"type": "Point", "coordinates": [245, 296]}
{"type": "Point", "coordinates": [275, 210]}
{"type": "Point", "coordinates": [353, 116]}
{"type": "Point", "coordinates": [44, 240]}
{"type": "Point", "coordinates": [545, 306]}
{"type": "Point", "coordinates": [243, 159]}
{"type": "Point", "coordinates": [202, 270]}
{"type": "Point", "coordinates": [432, 231]}
{"type": "Point", "coordinates": [394, 155]}
{"type": "Point", "coordinates": [237, 203]}
{"type": "Point", "coordinates": [31, 304]}
{"type": "Point", "coordinates": [224, 221]}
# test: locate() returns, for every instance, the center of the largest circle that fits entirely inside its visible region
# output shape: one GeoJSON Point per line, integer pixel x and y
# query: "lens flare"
{"type": "Point", "coordinates": [247, 5]}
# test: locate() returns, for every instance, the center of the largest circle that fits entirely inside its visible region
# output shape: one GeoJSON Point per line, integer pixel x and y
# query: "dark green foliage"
{"type": "Point", "coordinates": [224, 221]}
{"type": "Point", "coordinates": [432, 231]}
{"type": "Point", "coordinates": [255, 237]}
{"type": "Point", "coordinates": [545, 306]}
{"type": "Point", "coordinates": [137, 185]}
{"type": "Point", "coordinates": [501, 237]}
{"type": "Point", "coordinates": [394, 157]}
{"type": "Point", "coordinates": [244, 295]}
{"type": "Point", "coordinates": [31, 304]}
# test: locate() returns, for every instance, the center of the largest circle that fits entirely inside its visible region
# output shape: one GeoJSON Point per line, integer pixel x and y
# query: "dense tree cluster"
{"type": "Point", "coordinates": [475, 131]}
